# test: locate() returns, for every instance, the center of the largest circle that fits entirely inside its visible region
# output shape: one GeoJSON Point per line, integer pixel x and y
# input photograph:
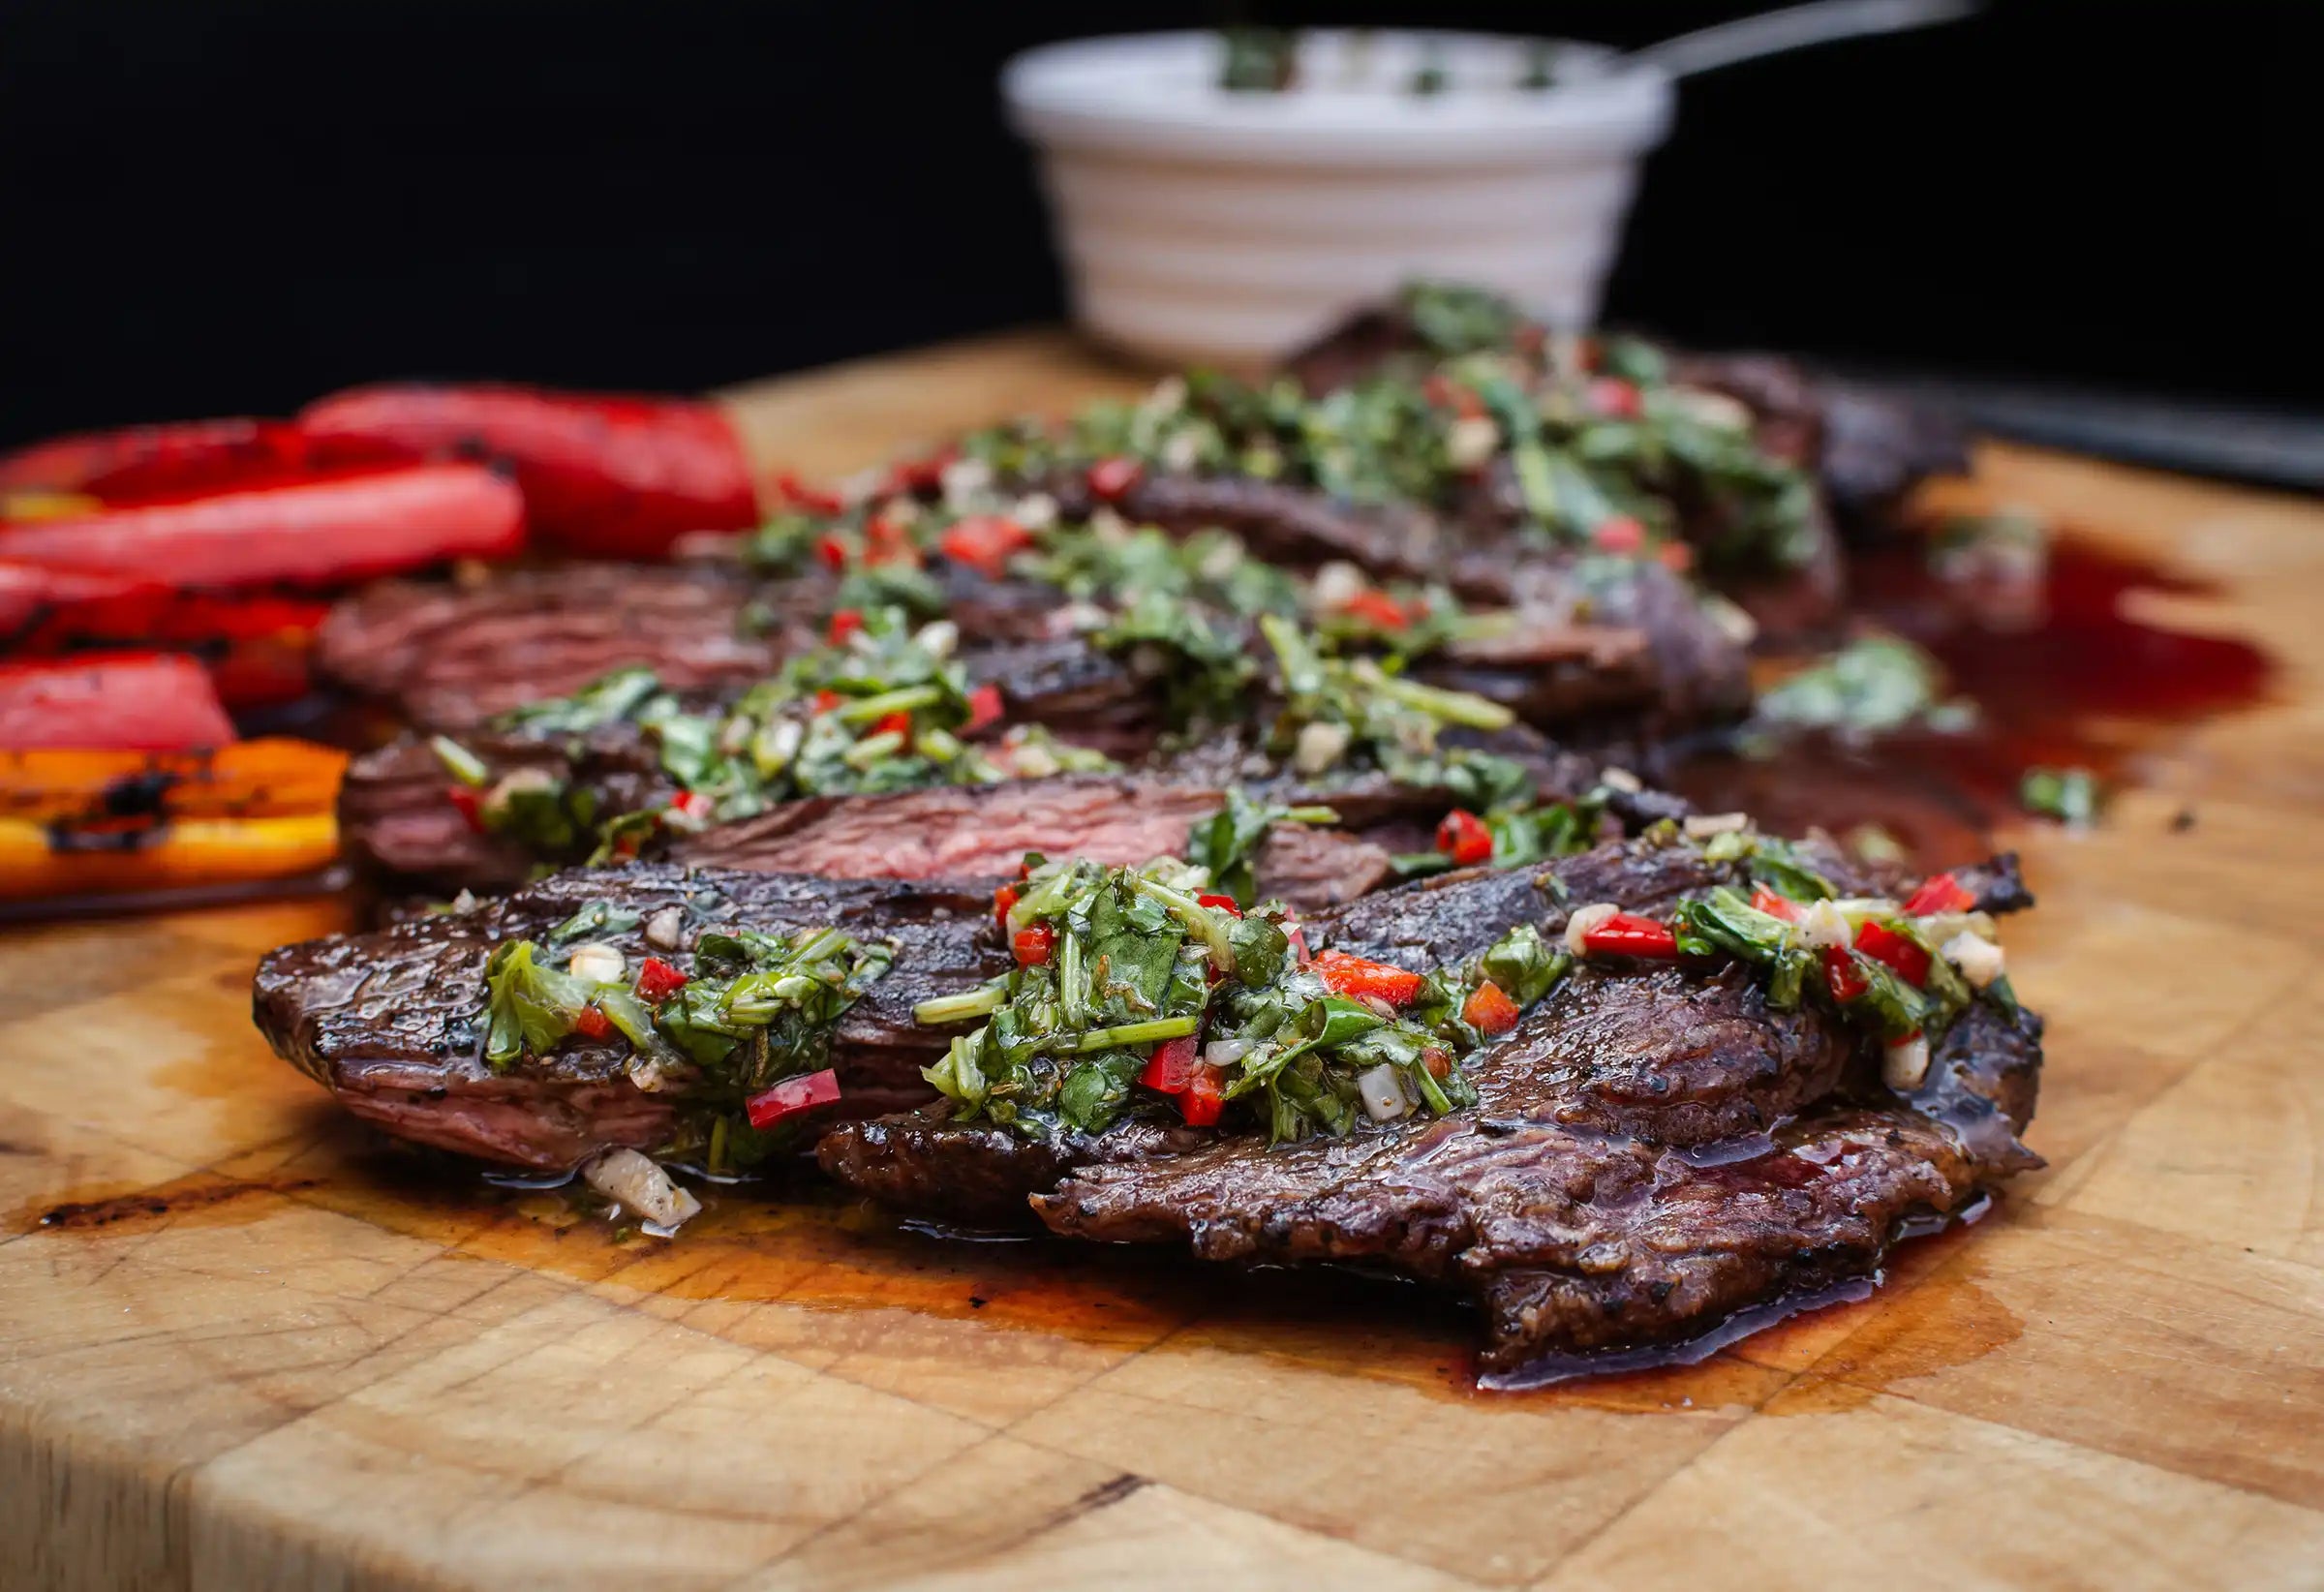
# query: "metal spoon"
{"type": "Point", "coordinates": [1749, 38]}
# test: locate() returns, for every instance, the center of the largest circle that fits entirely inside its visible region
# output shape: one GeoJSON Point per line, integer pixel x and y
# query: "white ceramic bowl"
{"type": "Point", "coordinates": [1203, 226]}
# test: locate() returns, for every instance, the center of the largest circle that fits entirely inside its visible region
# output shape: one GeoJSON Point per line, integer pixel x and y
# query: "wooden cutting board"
{"type": "Point", "coordinates": [260, 1354]}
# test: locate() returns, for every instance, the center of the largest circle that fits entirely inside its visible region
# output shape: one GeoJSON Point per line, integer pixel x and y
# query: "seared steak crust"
{"type": "Point", "coordinates": [1580, 1217]}
{"type": "Point", "coordinates": [392, 1022]}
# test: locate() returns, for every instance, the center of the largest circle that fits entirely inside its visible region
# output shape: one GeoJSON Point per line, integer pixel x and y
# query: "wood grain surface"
{"type": "Point", "coordinates": [261, 1353]}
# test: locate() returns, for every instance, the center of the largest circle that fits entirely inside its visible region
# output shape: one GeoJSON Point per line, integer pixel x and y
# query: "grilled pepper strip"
{"type": "Point", "coordinates": [256, 645]}
{"type": "Point", "coordinates": [139, 702]}
{"type": "Point", "coordinates": [608, 475]}
{"type": "Point", "coordinates": [179, 457]}
{"type": "Point", "coordinates": [320, 531]}
{"type": "Point", "coordinates": [266, 779]}
{"type": "Point", "coordinates": [36, 862]}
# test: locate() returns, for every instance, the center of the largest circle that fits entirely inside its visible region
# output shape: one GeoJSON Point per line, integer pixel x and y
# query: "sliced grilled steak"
{"type": "Point", "coordinates": [1868, 449]}
{"type": "Point", "coordinates": [450, 657]}
{"type": "Point", "coordinates": [921, 1161]}
{"type": "Point", "coordinates": [391, 1022]}
{"type": "Point", "coordinates": [985, 831]}
{"type": "Point", "coordinates": [1597, 1196]}
{"type": "Point", "coordinates": [1586, 642]}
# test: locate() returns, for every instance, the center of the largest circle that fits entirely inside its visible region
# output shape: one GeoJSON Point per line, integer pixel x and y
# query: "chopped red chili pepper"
{"type": "Point", "coordinates": [1032, 944]}
{"type": "Point", "coordinates": [1489, 1011]}
{"type": "Point", "coordinates": [1611, 395]}
{"type": "Point", "coordinates": [1378, 608]}
{"type": "Point", "coordinates": [898, 723]}
{"type": "Point", "coordinates": [1172, 1066]}
{"type": "Point", "coordinates": [693, 805]}
{"type": "Point", "coordinates": [1003, 899]}
{"type": "Point", "coordinates": [1443, 392]}
{"type": "Point", "coordinates": [827, 699]}
{"type": "Point", "coordinates": [1885, 946]}
{"type": "Point", "coordinates": [1298, 941]}
{"type": "Point", "coordinates": [469, 804]}
{"type": "Point", "coordinates": [984, 708]}
{"type": "Point", "coordinates": [1625, 935]}
{"type": "Point", "coordinates": [1940, 893]}
{"type": "Point", "coordinates": [1677, 557]}
{"type": "Point", "coordinates": [888, 540]}
{"type": "Point", "coordinates": [1619, 533]}
{"type": "Point", "coordinates": [832, 551]}
{"type": "Point", "coordinates": [591, 1024]}
{"type": "Point", "coordinates": [791, 1096]}
{"type": "Point", "coordinates": [1840, 975]}
{"type": "Point", "coordinates": [658, 981]}
{"type": "Point", "coordinates": [1766, 900]}
{"type": "Point", "coordinates": [1110, 480]}
{"type": "Point", "coordinates": [1463, 838]}
{"type": "Point", "coordinates": [1357, 977]}
{"type": "Point", "coordinates": [1224, 903]}
{"type": "Point", "coordinates": [984, 542]}
{"type": "Point", "coordinates": [789, 489]}
{"type": "Point", "coordinates": [1205, 1097]}
{"type": "Point", "coordinates": [843, 624]}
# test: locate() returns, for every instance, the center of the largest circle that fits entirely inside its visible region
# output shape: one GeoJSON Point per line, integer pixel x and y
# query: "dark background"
{"type": "Point", "coordinates": [232, 206]}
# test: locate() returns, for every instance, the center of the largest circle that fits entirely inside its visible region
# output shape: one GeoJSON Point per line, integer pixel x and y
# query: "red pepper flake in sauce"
{"type": "Point", "coordinates": [658, 981]}
{"type": "Point", "coordinates": [1619, 533]}
{"type": "Point", "coordinates": [1464, 837]}
{"type": "Point", "coordinates": [1110, 480]}
{"type": "Point", "coordinates": [791, 1096]}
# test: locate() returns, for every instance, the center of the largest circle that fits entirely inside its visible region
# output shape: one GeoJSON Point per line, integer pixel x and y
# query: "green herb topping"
{"type": "Point", "coordinates": [1140, 992]}
{"type": "Point", "coordinates": [753, 1010]}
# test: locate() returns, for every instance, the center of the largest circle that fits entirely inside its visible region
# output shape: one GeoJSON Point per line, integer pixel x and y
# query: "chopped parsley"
{"type": "Point", "coordinates": [754, 1009]}
{"type": "Point", "coordinates": [1139, 991]}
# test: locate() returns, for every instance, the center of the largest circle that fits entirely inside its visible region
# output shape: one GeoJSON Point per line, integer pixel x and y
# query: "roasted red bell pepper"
{"type": "Point", "coordinates": [792, 1095]}
{"type": "Point", "coordinates": [1357, 978]}
{"type": "Point", "coordinates": [132, 701]}
{"type": "Point", "coordinates": [255, 646]}
{"type": "Point", "coordinates": [184, 456]}
{"type": "Point", "coordinates": [319, 531]}
{"type": "Point", "coordinates": [616, 476]}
